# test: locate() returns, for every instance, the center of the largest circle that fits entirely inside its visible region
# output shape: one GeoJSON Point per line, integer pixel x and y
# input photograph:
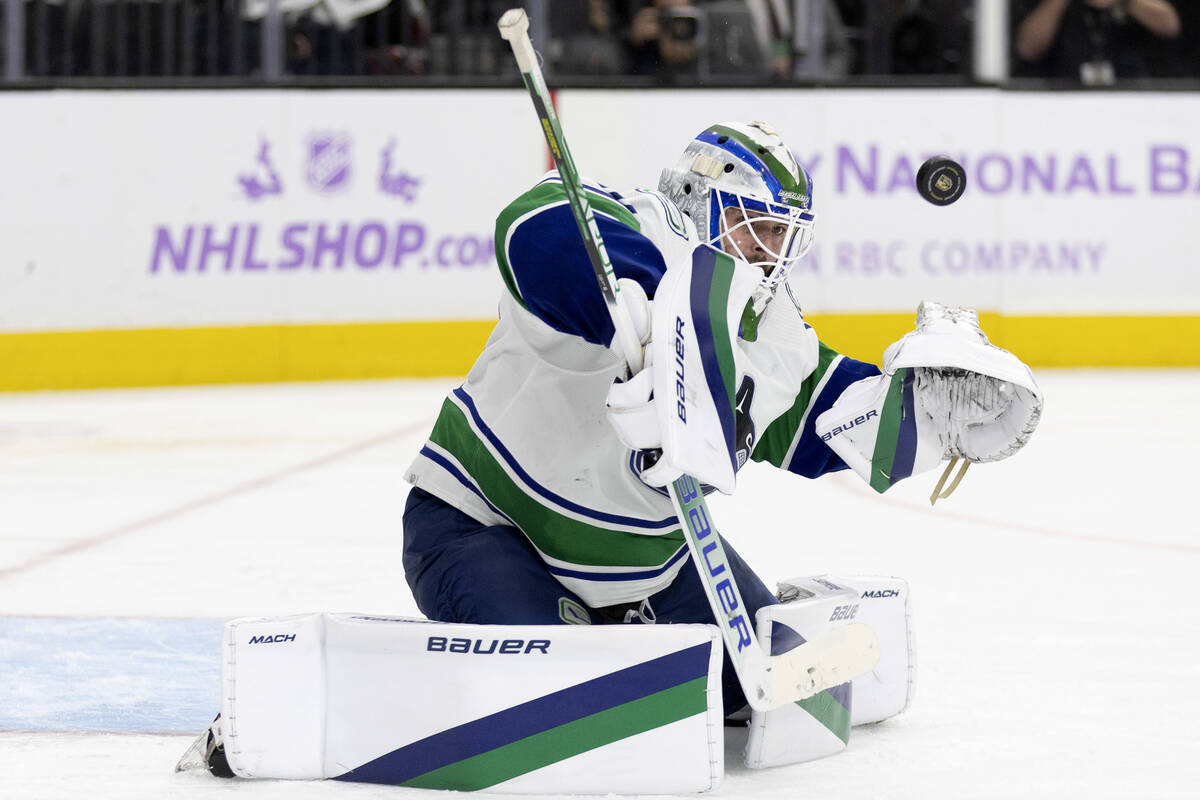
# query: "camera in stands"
{"type": "Point", "coordinates": [680, 23]}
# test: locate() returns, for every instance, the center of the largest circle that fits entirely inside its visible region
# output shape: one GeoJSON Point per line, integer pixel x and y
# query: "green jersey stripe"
{"type": "Point", "coordinates": [779, 440]}
{"type": "Point", "coordinates": [889, 433]}
{"type": "Point", "coordinates": [554, 534]}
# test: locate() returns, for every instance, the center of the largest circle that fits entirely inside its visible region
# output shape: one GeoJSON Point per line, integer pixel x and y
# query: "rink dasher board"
{"type": "Point", "coordinates": [293, 235]}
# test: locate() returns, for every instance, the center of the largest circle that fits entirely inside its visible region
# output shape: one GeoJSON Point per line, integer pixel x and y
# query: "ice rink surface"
{"type": "Point", "coordinates": [1055, 594]}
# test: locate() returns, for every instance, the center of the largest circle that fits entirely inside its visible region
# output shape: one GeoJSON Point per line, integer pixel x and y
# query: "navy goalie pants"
{"type": "Point", "coordinates": [461, 570]}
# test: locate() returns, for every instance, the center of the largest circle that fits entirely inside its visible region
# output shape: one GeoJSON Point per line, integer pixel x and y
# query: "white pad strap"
{"type": "Point", "coordinates": [566, 709]}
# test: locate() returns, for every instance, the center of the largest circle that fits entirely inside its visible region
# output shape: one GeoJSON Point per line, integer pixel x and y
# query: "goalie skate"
{"type": "Point", "coordinates": [830, 660]}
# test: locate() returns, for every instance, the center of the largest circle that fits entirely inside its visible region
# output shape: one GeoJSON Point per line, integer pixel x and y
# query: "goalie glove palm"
{"type": "Point", "coordinates": [984, 402]}
{"type": "Point", "coordinates": [978, 417]}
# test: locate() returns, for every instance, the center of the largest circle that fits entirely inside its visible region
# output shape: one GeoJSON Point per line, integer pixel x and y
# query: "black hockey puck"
{"type": "Point", "coordinates": [941, 180]}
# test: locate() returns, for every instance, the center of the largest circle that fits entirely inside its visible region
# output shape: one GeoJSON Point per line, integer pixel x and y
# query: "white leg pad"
{"type": "Point", "coordinates": [626, 709]}
{"type": "Point", "coordinates": [820, 725]}
{"type": "Point", "coordinates": [886, 605]}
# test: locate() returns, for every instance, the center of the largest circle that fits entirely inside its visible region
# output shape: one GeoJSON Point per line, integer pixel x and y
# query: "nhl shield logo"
{"type": "Point", "coordinates": [328, 161]}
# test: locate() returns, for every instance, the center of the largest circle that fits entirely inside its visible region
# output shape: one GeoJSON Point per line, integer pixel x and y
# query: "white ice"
{"type": "Point", "coordinates": [1058, 628]}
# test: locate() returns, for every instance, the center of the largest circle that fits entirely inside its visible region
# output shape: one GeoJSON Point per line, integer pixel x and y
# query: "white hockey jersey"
{"type": "Point", "coordinates": [525, 441]}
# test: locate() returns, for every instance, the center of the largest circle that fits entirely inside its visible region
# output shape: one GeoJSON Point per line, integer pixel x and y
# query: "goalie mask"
{"type": "Point", "coordinates": [747, 196]}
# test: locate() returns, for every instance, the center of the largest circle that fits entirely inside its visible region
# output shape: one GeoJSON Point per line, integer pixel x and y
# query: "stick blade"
{"type": "Point", "coordinates": [822, 663]}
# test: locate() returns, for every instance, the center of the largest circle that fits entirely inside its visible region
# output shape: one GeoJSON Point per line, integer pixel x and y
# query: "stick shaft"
{"type": "Point", "coordinates": [704, 543]}
{"type": "Point", "coordinates": [514, 27]}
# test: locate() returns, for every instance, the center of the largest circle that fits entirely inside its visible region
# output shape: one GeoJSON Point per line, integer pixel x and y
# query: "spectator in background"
{"type": "Point", "coordinates": [738, 39]}
{"type": "Point", "coordinates": [584, 37]}
{"type": "Point", "coordinates": [931, 37]}
{"type": "Point", "coordinates": [1094, 41]}
{"type": "Point", "coordinates": [1181, 57]}
{"type": "Point", "coordinates": [776, 30]}
{"type": "Point", "coordinates": [324, 37]}
{"type": "Point", "coordinates": [663, 38]}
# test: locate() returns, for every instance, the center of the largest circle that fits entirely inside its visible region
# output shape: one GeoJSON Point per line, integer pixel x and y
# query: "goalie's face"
{"type": "Point", "coordinates": [771, 236]}
{"type": "Point", "coordinates": [754, 237]}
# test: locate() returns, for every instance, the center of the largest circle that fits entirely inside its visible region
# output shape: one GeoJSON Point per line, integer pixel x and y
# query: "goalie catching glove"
{"type": "Point", "coordinates": [946, 392]}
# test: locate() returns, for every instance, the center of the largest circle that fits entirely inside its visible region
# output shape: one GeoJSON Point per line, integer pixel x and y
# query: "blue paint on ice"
{"type": "Point", "coordinates": [127, 675]}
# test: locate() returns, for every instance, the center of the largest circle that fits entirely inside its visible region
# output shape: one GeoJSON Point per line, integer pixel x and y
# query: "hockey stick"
{"type": "Point", "coordinates": [768, 681]}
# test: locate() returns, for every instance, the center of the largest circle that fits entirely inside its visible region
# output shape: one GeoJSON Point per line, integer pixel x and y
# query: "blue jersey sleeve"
{"type": "Point", "coordinates": [790, 441]}
{"type": "Point", "coordinates": [545, 264]}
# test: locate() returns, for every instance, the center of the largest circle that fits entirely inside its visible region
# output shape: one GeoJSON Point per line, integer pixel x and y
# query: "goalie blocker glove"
{"type": "Point", "coordinates": [683, 400]}
{"type": "Point", "coordinates": [946, 392]}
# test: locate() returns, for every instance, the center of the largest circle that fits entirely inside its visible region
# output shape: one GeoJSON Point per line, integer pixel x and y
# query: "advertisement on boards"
{"type": "Point", "coordinates": [177, 209]}
{"type": "Point", "coordinates": [1076, 203]}
{"type": "Point", "coordinates": [203, 208]}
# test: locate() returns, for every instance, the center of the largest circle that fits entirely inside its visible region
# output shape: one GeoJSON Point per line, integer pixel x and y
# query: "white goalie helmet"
{"type": "Point", "coordinates": [747, 196]}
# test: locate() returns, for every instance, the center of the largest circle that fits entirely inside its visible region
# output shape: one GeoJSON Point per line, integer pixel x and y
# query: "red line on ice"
{"type": "Point", "coordinates": [207, 500]}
